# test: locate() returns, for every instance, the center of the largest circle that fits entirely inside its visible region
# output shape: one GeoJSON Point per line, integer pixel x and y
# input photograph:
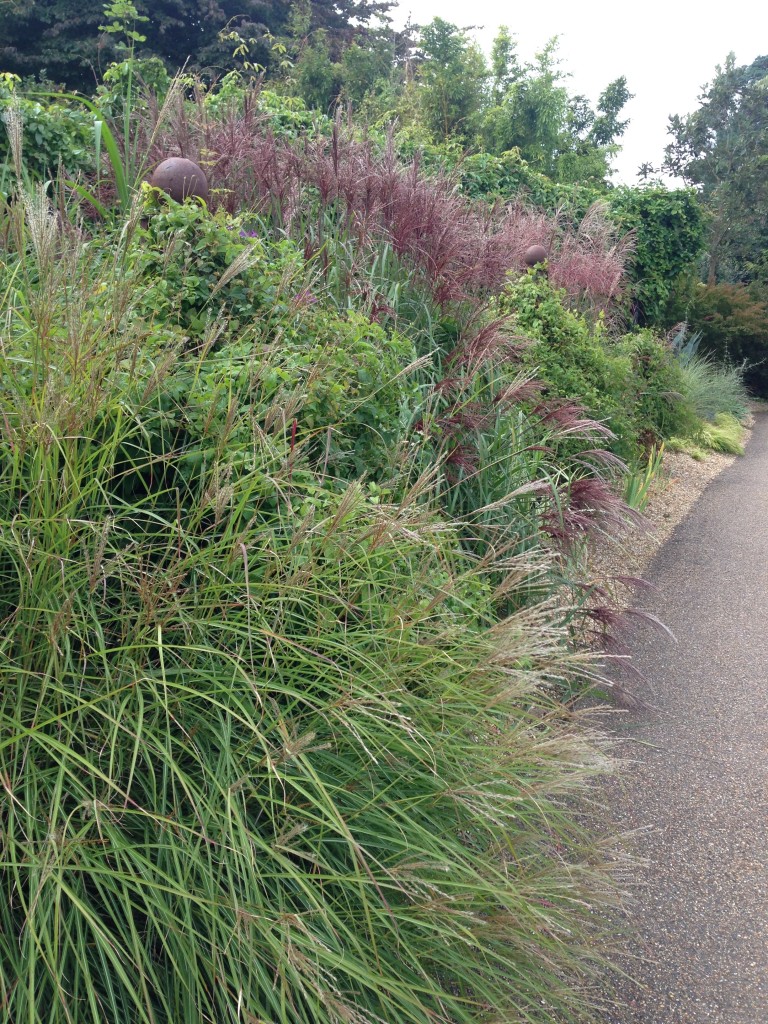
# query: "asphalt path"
{"type": "Point", "coordinates": [694, 795]}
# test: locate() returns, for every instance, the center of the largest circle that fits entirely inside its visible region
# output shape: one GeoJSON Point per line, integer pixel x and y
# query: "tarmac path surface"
{"type": "Point", "coordinates": [696, 791]}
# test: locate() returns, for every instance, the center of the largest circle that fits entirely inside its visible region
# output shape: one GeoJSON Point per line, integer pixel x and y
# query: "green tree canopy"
{"type": "Point", "coordinates": [63, 39]}
{"type": "Point", "coordinates": [452, 77]}
{"type": "Point", "coordinates": [531, 111]}
{"type": "Point", "coordinates": [722, 148]}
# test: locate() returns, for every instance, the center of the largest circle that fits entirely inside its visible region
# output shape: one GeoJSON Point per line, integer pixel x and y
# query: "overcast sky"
{"type": "Point", "coordinates": [667, 50]}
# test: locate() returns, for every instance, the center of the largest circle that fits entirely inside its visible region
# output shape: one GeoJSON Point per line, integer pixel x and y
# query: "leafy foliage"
{"type": "Point", "coordinates": [270, 339]}
{"type": "Point", "coordinates": [284, 635]}
{"type": "Point", "coordinates": [452, 78]}
{"type": "Point", "coordinates": [662, 402]}
{"type": "Point", "coordinates": [570, 356]}
{"type": "Point", "coordinates": [317, 78]}
{"type": "Point", "coordinates": [634, 386]}
{"type": "Point", "coordinates": [556, 134]}
{"type": "Point", "coordinates": [669, 234]}
{"type": "Point", "coordinates": [721, 148]}
{"type": "Point", "coordinates": [66, 39]}
{"type": "Point", "coordinates": [53, 134]}
{"type": "Point", "coordinates": [732, 322]}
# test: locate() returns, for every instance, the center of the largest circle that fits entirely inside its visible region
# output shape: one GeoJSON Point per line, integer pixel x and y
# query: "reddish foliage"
{"type": "Point", "coordinates": [462, 248]}
{"type": "Point", "coordinates": [587, 505]}
{"type": "Point", "coordinates": [591, 262]}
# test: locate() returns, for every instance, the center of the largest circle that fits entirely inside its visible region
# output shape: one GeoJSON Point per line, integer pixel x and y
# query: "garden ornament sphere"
{"type": "Point", "coordinates": [536, 254]}
{"type": "Point", "coordinates": [181, 179]}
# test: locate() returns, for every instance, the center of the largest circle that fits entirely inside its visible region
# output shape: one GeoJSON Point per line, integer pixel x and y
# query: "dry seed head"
{"type": "Point", "coordinates": [42, 224]}
{"type": "Point", "coordinates": [219, 493]}
{"type": "Point", "coordinates": [243, 261]}
{"type": "Point", "coordinates": [14, 125]}
{"type": "Point", "coordinates": [133, 220]}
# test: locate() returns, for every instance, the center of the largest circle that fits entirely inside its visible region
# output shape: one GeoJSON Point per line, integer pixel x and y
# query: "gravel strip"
{"type": "Point", "coordinates": [693, 797]}
{"type": "Point", "coordinates": [681, 484]}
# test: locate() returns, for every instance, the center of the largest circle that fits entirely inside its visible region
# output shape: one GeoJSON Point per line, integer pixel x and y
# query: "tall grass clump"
{"type": "Point", "coordinates": [266, 753]}
{"type": "Point", "coordinates": [516, 469]}
{"type": "Point", "coordinates": [710, 386]}
{"type": "Point", "coordinates": [345, 193]}
{"type": "Point", "coordinates": [713, 387]}
{"type": "Point", "coordinates": [723, 434]}
{"type": "Point", "coordinates": [716, 395]}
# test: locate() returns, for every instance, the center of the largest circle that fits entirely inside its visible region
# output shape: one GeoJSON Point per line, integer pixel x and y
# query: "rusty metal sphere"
{"type": "Point", "coordinates": [536, 254]}
{"type": "Point", "coordinates": [180, 178]}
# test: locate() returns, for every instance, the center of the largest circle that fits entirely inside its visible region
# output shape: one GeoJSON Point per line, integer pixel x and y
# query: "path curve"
{"type": "Point", "coordinates": [697, 788]}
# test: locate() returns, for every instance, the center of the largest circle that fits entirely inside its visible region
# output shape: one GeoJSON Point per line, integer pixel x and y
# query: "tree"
{"type": "Point", "coordinates": [722, 148]}
{"type": "Point", "coordinates": [62, 37]}
{"type": "Point", "coordinates": [607, 127]}
{"type": "Point", "coordinates": [531, 111]}
{"type": "Point", "coordinates": [505, 66]}
{"type": "Point", "coordinates": [316, 77]}
{"type": "Point", "coordinates": [452, 78]}
{"type": "Point", "coordinates": [367, 66]}
{"type": "Point", "coordinates": [345, 21]}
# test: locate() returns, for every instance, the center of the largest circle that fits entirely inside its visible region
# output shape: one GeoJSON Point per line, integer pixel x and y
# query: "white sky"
{"type": "Point", "coordinates": [667, 50]}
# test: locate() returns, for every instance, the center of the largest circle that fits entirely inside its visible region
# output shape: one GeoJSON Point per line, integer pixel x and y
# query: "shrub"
{"type": "Point", "coordinates": [668, 230]}
{"type": "Point", "coordinates": [56, 135]}
{"type": "Point", "coordinates": [271, 340]}
{"type": "Point", "coordinates": [732, 320]}
{"type": "Point", "coordinates": [572, 357]}
{"type": "Point", "coordinates": [510, 178]}
{"type": "Point", "coordinates": [662, 404]}
{"type": "Point", "coordinates": [195, 267]}
{"type": "Point", "coordinates": [634, 384]}
{"type": "Point", "coordinates": [287, 116]}
{"type": "Point", "coordinates": [127, 87]}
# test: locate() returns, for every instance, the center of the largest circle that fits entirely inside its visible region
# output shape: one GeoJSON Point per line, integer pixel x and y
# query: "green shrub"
{"type": "Point", "coordinates": [635, 384]}
{"type": "Point", "coordinates": [127, 85]}
{"type": "Point", "coordinates": [572, 357]}
{"type": "Point", "coordinates": [286, 116]}
{"type": "Point", "coordinates": [669, 232]}
{"type": "Point", "coordinates": [343, 381]}
{"type": "Point", "coordinates": [263, 336]}
{"type": "Point", "coordinates": [509, 176]}
{"type": "Point", "coordinates": [661, 402]}
{"type": "Point", "coordinates": [55, 134]}
{"type": "Point", "coordinates": [197, 266]}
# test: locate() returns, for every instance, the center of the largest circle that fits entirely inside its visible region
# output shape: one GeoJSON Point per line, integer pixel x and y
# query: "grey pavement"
{"type": "Point", "coordinates": [695, 793]}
